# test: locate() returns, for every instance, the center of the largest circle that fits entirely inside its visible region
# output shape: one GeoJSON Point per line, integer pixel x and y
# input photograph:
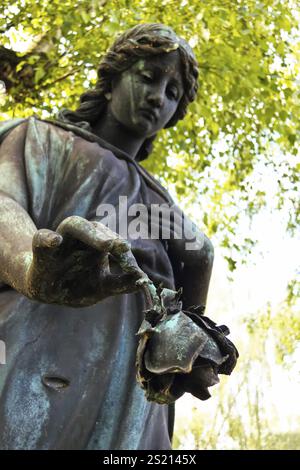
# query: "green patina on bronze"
{"type": "Point", "coordinates": [181, 352]}
{"type": "Point", "coordinates": [65, 312]}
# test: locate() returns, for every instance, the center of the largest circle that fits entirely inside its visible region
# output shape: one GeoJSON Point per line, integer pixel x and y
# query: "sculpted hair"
{"type": "Point", "coordinates": [140, 42]}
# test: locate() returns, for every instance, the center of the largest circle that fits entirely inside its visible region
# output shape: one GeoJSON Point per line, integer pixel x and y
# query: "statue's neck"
{"type": "Point", "coordinates": [112, 131]}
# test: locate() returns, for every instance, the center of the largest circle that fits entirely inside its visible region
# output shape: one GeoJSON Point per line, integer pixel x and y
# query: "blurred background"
{"type": "Point", "coordinates": [232, 164]}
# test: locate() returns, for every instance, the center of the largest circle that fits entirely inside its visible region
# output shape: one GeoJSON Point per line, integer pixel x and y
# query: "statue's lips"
{"type": "Point", "coordinates": [149, 114]}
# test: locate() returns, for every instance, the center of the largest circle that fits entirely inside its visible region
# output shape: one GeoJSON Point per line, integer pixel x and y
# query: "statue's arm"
{"type": "Point", "coordinates": [195, 252]}
{"type": "Point", "coordinates": [69, 266]}
{"type": "Point", "coordinates": [16, 225]}
{"type": "Point", "coordinates": [196, 275]}
{"type": "Point", "coordinates": [16, 232]}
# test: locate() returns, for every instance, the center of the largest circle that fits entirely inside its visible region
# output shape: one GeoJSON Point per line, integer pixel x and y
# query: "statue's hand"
{"type": "Point", "coordinates": [72, 266]}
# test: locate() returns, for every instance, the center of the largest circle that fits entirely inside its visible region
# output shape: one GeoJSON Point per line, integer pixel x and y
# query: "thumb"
{"type": "Point", "coordinates": [45, 238]}
{"type": "Point", "coordinates": [44, 243]}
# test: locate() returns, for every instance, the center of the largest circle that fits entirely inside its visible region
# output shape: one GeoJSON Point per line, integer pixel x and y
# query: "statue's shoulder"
{"type": "Point", "coordinates": [35, 129]}
{"type": "Point", "coordinates": [10, 124]}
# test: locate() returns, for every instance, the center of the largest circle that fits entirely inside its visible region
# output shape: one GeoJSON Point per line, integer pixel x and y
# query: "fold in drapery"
{"type": "Point", "coordinates": [69, 381]}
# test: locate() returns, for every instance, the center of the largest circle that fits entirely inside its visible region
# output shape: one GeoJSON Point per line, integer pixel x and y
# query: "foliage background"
{"type": "Point", "coordinates": [232, 157]}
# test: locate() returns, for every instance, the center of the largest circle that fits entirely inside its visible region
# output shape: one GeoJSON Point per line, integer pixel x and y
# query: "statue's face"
{"type": "Point", "coordinates": [146, 96]}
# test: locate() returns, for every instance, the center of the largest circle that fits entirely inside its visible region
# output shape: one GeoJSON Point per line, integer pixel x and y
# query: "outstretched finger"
{"type": "Point", "coordinates": [121, 284]}
{"type": "Point", "coordinates": [121, 251]}
{"type": "Point", "coordinates": [78, 228]}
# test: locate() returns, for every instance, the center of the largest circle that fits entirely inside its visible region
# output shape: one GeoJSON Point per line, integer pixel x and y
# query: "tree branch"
{"type": "Point", "coordinates": [59, 79]}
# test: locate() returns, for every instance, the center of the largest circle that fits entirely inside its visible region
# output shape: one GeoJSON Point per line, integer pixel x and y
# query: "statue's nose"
{"type": "Point", "coordinates": [156, 97]}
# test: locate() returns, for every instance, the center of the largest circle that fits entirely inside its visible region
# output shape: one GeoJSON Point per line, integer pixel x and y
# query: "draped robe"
{"type": "Point", "coordinates": [69, 378]}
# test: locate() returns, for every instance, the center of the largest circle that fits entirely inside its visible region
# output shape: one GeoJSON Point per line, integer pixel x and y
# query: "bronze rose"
{"type": "Point", "coordinates": [181, 351]}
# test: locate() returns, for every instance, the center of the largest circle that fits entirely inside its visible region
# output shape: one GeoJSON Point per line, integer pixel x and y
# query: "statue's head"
{"type": "Point", "coordinates": [145, 41]}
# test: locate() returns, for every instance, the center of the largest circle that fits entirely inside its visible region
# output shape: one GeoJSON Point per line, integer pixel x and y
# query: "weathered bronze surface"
{"type": "Point", "coordinates": [72, 292]}
{"type": "Point", "coordinates": [181, 351]}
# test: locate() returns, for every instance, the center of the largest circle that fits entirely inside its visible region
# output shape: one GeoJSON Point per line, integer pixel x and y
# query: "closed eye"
{"type": "Point", "coordinates": [147, 76]}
